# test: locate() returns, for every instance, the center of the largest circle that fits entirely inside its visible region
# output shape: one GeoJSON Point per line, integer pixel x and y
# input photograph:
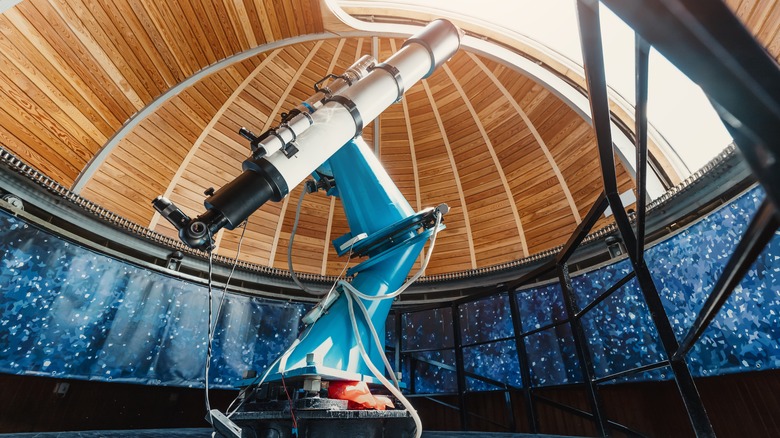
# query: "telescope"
{"type": "Point", "coordinates": [311, 133]}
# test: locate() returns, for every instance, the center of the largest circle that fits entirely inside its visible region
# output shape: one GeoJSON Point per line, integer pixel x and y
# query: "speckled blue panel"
{"type": "Point", "coordinates": [744, 335]}
{"type": "Point", "coordinates": [621, 335]}
{"type": "Point", "coordinates": [620, 332]}
{"type": "Point", "coordinates": [496, 361]}
{"type": "Point", "coordinates": [433, 372]}
{"type": "Point", "coordinates": [487, 319]}
{"type": "Point", "coordinates": [552, 357]}
{"type": "Point", "coordinates": [540, 306]}
{"type": "Point", "coordinates": [390, 337]}
{"type": "Point", "coordinates": [686, 267]}
{"type": "Point", "coordinates": [588, 287]}
{"type": "Point", "coordinates": [427, 329]}
{"type": "Point", "coordinates": [66, 311]}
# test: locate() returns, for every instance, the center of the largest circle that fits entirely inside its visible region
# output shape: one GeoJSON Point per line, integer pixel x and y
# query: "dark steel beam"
{"type": "Point", "coordinates": [537, 389]}
{"type": "Point", "coordinates": [682, 375]}
{"type": "Point", "coordinates": [580, 413]}
{"type": "Point", "coordinates": [398, 329]}
{"type": "Point", "coordinates": [595, 76]}
{"type": "Point", "coordinates": [582, 229]}
{"type": "Point", "coordinates": [583, 352]}
{"type": "Point", "coordinates": [620, 283]}
{"type": "Point", "coordinates": [489, 341]}
{"type": "Point", "coordinates": [425, 350]}
{"type": "Point", "coordinates": [642, 50]}
{"type": "Point", "coordinates": [510, 411]}
{"type": "Point", "coordinates": [444, 366]}
{"type": "Point", "coordinates": [643, 368]}
{"type": "Point", "coordinates": [460, 367]}
{"type": "Point", "coordinates": [592, 53]}
{"type": "Point", "coordinates": [412, 375]}
{"type": "Point", "coordinates": [545, 327]}
{"type": "Point", "coordinates": [709, 44]}
{"type": "Point", "coordinates": [760, 231]}
{"type": "Point", "coordinates": [522, 357]}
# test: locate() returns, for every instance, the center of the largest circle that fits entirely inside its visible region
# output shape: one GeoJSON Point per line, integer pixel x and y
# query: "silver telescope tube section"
{"type": "Point", "coordinates": [290, 131]}
{"type": "Point", "coordinates": [318, 129]}
{"type": "Point", "coordinates": [354, 73]}
{"type": "Point", "coordinates": [342, 117]}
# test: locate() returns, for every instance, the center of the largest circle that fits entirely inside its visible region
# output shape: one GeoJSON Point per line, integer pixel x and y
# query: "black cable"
{"type": "Point", "coordinates": [209, 336]}
{"type": "Point", "coordinates": [292, 410]}
{"type": "Point", "coordinates": [290, 247]}
{"type": "Point", "coordinates": [227, 283]}
{"type": "Point", "coordinates": [213, 328]}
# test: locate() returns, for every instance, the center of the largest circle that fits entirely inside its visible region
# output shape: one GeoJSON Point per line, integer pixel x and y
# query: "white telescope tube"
{"type": "Point", "coordinates": [318, 129]}
{"type": "Point", "coordinates": [334, 124]}
{"type": "Point", "coordinates": [290, 130]}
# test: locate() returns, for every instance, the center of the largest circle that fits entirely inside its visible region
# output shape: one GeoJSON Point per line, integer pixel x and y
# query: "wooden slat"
{"type": "Point", "coordinates": [534, 132]}
{"type": "Point", "coordinates": [496, 163]}
{"type": "Point", "coordinates": [74, 71]}
{"type": "Point", "coordinates": [281, 101]}
{"type": "Point", "coordinates": [196, 146]}
{"type": "Point", "coordinates": [454, 168]}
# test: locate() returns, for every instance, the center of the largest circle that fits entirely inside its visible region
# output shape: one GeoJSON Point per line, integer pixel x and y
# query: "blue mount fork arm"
{"type": "Point", "coordinates": [373, 205]}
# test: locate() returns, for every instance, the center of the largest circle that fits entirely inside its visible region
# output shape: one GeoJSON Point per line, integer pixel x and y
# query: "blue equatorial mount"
{"type": "Point", "coordinates": [394, 238]}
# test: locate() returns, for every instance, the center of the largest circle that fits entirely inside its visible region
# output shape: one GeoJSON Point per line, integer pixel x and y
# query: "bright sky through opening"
{"type": "Point", "coordinates": [677, 107]}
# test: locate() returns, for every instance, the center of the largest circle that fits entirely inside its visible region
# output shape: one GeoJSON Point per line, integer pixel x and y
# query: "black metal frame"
{"type": "Point", "coordinates": [704, 41]}
{"type": "Point", "coordinates": [708, 44]}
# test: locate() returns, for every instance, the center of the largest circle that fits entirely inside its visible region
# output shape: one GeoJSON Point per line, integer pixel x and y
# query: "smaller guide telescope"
{"type": "Point", "coordinates": [311, 133]}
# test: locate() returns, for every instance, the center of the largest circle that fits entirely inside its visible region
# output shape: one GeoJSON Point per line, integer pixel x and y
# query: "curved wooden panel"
{"type": "Point", "coordinates": [74, 71]}
{"type": "Point", "coordinates": [517, 166]}
{"type": "Point", "coordinates": [762, 18]}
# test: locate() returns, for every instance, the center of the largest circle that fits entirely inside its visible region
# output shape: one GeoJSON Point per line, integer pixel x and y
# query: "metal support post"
{"type": "Point", "coordinates": [522, 357]}
{"type": "Point", "coordinates": [642, 61]}
{"type": "Point", "coordinates": [582, 229]}
{"type": "Point", "coordinates": [412, 374]}
{"type": "Point", "coordinates": [510, 411]}
{"type": "Point", "coordinates": [461, 369]}
{"type": "Point", "coordinates": [398, 329]}
{"type": "Point", "coordinates": [583, 352]}
{"type": "Point", "coordinates": [709, 44]}
{"type": "Point", "coordinates": [590, 30]}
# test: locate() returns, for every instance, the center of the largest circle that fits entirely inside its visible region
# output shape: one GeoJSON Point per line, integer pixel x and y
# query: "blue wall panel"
{"type": "Point", "coordinates": [744, 335]}
{"type": "Point", "coordinates": [620, 331]}
{"type": "Point", "coordinates": [431, 372]}
{"type": "Point", "coordinates": [540, 306]}
{"type": "Point", "coordinates": [427, 329]}
{"type": "Point", "coordinates": [552, 358]}
{"type": "Point", "coordinates": [621, 335]}
{"type": "Point", "coordinates": [69, 312]}
{"type": "Point", "coordinates": [496, 361]}
{"type": "Point", "coordinates": [487, 319]}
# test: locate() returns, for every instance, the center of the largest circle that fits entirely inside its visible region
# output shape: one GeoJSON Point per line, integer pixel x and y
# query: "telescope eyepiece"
{"type": "Point", "coordinates": [193, 232]}
{"type": "Point", "coordinates": [197, 229]}
{"type": "Point", "coordinates": [170, 212]}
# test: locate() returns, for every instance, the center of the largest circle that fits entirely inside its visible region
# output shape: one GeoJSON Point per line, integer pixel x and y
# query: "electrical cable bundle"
{"type": "Point", "coordinates": [353, 297]}
{"type": "Point", "coordinates": [212, 328]}
{"type": "Point", "coordinates": [349, 291]}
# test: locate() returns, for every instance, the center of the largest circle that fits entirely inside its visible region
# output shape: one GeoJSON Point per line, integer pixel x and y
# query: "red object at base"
{"type": "Point", "coordinates": [358, 395]}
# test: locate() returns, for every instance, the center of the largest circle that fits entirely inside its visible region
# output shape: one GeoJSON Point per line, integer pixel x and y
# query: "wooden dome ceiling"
{"type": "Point", "coordinates": [106, 97]}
